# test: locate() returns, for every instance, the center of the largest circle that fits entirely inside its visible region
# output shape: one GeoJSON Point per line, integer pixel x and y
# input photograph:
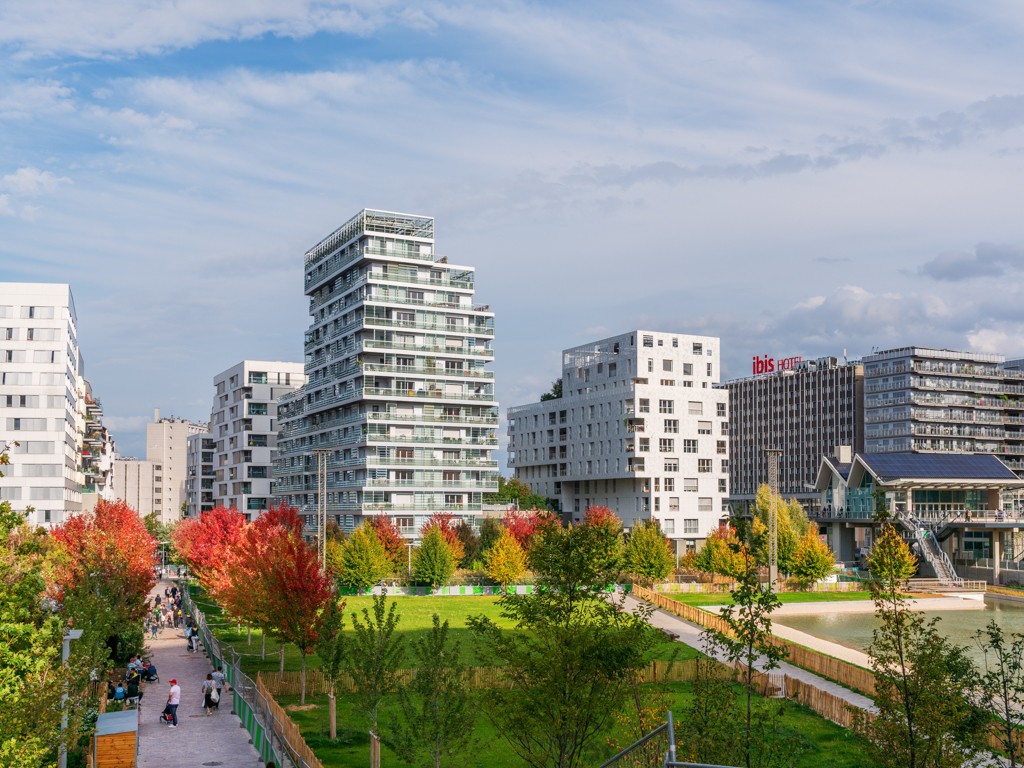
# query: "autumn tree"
{"type": "Point", "coordinates": [506, 560]}
{"type": "Point", "coordinates": [435, 559]}
{"type": "Point", "coordinates": [103, 572]}
{"type": "Point", "coordinates": [297, 590]}
{"type": "Point", "coordinates": [391, 539]}
{"type": "Point", "coordinates": [364, 561]}
{"type": "Point", "coordinates": [648, 553]}
{"type": "Point", "coordinates": [606, 530]}
{"type": "Point", "coordinates": [813, 560]}
{"type": "Point", "coordinates": [438, 718]}
{"type": "Point", "coordinates": [203, 543]}
{"type": "Point", "coordinates": [515, 493]}
{"type": "Point", "coordinates": [445, 525]}
{"type": "Point", "coordinates": [521, 523]}
{"type": "Point", "coordinates": [722, 553]}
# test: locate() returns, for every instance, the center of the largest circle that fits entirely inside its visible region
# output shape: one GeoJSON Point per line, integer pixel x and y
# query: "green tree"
{"type": "Point", "coordinates": [751, 645]}
{"type": "Point", "coordinates": [792, 525]}
{"type": "Point", "coordinates": [331, 650]}
{"type": "Point", "coordinates": [1002, 686]}
{"type": "Point", "coordinates": [470, 540]}
{"type": "Point", "coordinates": [925, 718]}
{"type": "Point", "coordinates": [364, 561]}
{"type": "Point", "coordinates": [490, 532]}
{"type": "Point", "coordinates": [648, 553]}
{"type": "Point", "coordinates": [433, 562]}
{"type": "Point", "coordinates": [554, 393]}
{"type": "Point", "coordinates": [506, 560]}
{"type": "Point", "coordinates": [571, 655]}
{"type": "Point", "coordinates": [373, 655]}
{"type": "Point", "coordinates": [31, 679]}
{"type": "Point", "coordinates": [437, 716]}
{"type": "Point", "coordinates": [812, 560]}
{"type": "Point", "coordinates": [513, 491]}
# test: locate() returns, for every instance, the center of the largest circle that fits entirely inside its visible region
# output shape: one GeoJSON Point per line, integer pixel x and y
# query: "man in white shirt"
{"type": "Point", "coordinates": [173, 699]}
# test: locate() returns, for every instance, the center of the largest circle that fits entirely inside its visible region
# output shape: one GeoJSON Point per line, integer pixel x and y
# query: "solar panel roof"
{"type": "Point", "coordinates": [967, 466]}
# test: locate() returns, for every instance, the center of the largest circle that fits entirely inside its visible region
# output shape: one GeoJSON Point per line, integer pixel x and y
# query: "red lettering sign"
{"type": "Point", "coordinates": [765, 364]}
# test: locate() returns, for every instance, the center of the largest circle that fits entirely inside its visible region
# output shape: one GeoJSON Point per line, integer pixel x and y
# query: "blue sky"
{"type": "Point", "coordinates": [797, 178]}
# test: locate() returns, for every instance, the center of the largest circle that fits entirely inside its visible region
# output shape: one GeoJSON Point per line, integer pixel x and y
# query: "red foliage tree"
{"type": "Point", "coordinates": [602, 517]}
{"type": "Point", "coordinates": [446, 524]}
{"type": "Point", "coordinates": [111, 551]}
{"type": "Point", "coordinates": [388, 535]}
{"type": "Point", "coordinates": [522, 524]}
{"type": "Point", "coordinates": [205, 543]}
{"type": "Point", "coordinates": [295, 591]}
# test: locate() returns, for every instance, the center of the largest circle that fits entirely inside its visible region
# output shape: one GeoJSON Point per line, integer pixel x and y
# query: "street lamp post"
{"type": "Point", "coordinates": [73, 634]}
{"type": "Point", "coordinates": [410, 545]}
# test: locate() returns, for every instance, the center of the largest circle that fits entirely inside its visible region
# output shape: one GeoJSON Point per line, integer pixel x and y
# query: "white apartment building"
{"type": "Point", "coordinates": [641, 427]}
{"type": "Point", "coordinates": [201, 477]}
{"type": "Point", "coordinates": [167, 445]}
{"type": "Point", "coordinates": [97, 449]}
{"type": "Point", "coordinates": [40, 385]}
{"type": "Point", "coordinates": [244, 427]}
{"type": "Point", "coordinates": [398, 398]}
{"type": "Point", "coordinates": [140, 484]}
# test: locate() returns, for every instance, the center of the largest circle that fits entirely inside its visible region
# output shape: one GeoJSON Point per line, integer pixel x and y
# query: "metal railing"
{"type": "Point", "coordinates": [655, 750]}
{"type": "Point", "coordinates": [252, 706]}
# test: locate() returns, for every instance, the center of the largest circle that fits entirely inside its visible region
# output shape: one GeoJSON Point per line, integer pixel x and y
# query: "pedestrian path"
{"type": "Point", "coordinates": [198, 740]}
{"type": "Point", "coordinates": [690, 634]}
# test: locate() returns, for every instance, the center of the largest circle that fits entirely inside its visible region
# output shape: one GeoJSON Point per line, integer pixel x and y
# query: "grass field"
{"type": "Point", "coordinates": [699, 599]}
{"type": "Point", "coordinates": [828, 743]}
{"type": "Point", "coordinates": [416, 617]}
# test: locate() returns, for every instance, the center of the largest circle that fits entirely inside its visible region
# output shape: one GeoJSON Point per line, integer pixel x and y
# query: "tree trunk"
{"type": "Point", "coordinates": [263, 644]}
{"type": "Point", "coordinates": [332, 715]}
{"type": "Point", "coordinates": [249, 630]}
{"type": "Point", "coordinates": [280, 654]}
{"type": "Point", "coordinates": [302, 676]}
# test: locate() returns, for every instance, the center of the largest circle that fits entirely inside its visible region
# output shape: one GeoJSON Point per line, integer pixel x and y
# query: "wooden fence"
{"type": "Point", "coordinates": [289, 729]}
{"type": "Point", "coordinates": [842, 672]}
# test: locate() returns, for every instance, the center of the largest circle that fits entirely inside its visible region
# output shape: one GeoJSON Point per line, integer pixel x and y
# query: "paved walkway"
{"type": "Point", "coordinates": [198, 740]}
{"type": "Point", "coordinates": [690, 634]}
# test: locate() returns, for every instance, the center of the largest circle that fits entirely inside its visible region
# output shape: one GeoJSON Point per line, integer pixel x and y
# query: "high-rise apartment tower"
{"type": "Point", "coordinates": [398, 400]}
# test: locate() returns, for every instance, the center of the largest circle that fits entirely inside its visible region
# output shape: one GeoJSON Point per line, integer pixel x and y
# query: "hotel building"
{"type": "Point", "coordinates": [641, 427]}
{"type": "Point", "coordinates": [398, 398]}
{"type": "Point", "coordinates": [802, 408]}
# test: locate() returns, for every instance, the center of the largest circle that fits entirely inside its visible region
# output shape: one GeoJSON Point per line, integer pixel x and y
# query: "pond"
{"type": "Point", "coordinates": [854, 629]}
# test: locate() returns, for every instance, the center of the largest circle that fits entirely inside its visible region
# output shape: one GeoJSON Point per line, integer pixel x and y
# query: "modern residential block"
{"type": "Point", "coordinates": [942, 401]}
{"type": "Point", "coordinates": [201, 476]}
{"type": "Point", "coordinates": [804, 409]}
{"type": "Point", "coordinates": [641, 427]}
{"type": "Point", "coordinates": [140, 484]}
{"type": "Point", "coordinates": [41, 389]}
{"type": "Point", "coordinates": [167, 445]}
{"type": "Point", "coordinates": [244, 427]}
{"type": "Point", "coordinates": [398, 399]}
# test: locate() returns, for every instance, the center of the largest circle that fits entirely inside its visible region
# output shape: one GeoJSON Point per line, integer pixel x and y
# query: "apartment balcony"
{"type": "Point", "coordinates": [480, 485]}
{"type": "Point", "coordinates": [424, 370]}
{"type": "Point", "coordinates": [437, 439]}
{"type": "Point", "coordinates": [464, 329]}
{"type": "Point", "coordinates": [388, 461]}
{"type": "Point", "coordinates": [635, 466]}
{"type": "Point", "coordinates": [440, 350]}
{"type": "Point", "coordinates": [379, 298]}
{"type": "Point", "coordinates": [418, 507]}
{"type": "Point", "coordinates": [428, 417]}
{"type": "Point", "coordinates": [426, 394]}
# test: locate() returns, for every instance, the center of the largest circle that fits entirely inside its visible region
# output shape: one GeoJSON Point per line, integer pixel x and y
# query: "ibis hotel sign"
{"type": "Point", "coordinates": [767, 364]}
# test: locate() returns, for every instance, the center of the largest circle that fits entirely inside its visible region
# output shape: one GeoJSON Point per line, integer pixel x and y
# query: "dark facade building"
{"type": "Point", "coordinates": [803, 408]}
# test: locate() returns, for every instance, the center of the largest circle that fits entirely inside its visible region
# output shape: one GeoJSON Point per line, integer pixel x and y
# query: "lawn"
{"type": "Point", "coordinates": [829, 744]}
{"type": "Point", "coordinates": [415, 619]}
{"type": "Point", "coordinates": [701, 599]}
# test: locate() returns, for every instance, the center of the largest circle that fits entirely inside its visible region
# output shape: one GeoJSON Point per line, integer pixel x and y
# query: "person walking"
{"type": "Point", "coordinates": [209, 691]}
{"type": "Point", "coordinates": [173, 700]}
{"type": "Point", "coordinates": [220, 680]}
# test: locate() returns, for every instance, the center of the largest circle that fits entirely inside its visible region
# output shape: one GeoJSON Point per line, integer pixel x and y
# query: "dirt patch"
{"type": "Point", "coordinates": [301, 707]}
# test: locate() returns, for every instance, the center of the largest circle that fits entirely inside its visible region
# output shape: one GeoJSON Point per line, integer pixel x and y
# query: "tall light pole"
{"type": "Point", "coordinates": [773, 514]}
{"type": "Point", "coordinates": [410, 545]}
{"type": "Point", "coordinates": [321, 502]}
{"type": "Point", "coordinates": [73, 634]}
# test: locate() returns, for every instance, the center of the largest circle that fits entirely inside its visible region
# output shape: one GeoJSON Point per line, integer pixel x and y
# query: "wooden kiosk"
{"type": "Point", "coordinates": [116, 743]}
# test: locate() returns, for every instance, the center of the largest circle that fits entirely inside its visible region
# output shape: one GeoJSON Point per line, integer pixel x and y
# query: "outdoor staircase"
{"type": "Point", "coordinates": [928, 545]}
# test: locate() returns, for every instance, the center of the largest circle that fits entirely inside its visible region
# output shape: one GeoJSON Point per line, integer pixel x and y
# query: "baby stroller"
{"type": "Point", "coordinates": [165, 716]}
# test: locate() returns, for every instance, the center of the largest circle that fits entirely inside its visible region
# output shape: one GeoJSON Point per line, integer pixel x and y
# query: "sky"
{"type": "Point", "coordinates": [797, 178]}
